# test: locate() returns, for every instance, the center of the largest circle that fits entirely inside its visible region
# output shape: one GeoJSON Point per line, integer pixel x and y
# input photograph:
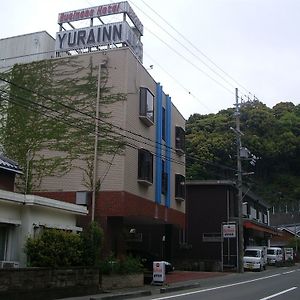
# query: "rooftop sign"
{"type": "Point", "coordinates": [100, 11]}
{"type": "Point", "coordinates": [112, 33]}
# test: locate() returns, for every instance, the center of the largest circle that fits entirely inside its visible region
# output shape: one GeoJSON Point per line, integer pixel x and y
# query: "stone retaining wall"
{"type": "Point", "coordinates": [44, 283]}
{"type": "Point", "coordinates": [47, 284]}
{"type": "Point", "coordinates": [110, 282]}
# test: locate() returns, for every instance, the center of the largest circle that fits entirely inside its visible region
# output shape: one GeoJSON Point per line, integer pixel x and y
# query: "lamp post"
{"type": "Point", "coordinates": [96, 140]}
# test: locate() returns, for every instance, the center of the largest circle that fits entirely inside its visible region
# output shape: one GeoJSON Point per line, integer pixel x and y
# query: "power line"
{"type": "Point", "coordinates": [184, 46]}
{"type": "Point", "coordinates": [193, 45]}
{"type": "Point", "coordinates": [194, 158]}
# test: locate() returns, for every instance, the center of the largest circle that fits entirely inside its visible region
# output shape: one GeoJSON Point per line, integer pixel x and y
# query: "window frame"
{"type": "Point", "coordinates": [145, 167]}
{"type": "Point", "coordinates": [180, 190]}
{"type": "Point", "coordinates": [179, 140]}
{"type": "Point", "coordinates": [145, 95]}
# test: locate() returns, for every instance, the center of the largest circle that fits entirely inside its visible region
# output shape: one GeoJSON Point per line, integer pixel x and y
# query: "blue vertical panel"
{"type": "Point", "coordinates": [168, 148]}
{"type": "Point", "coordinates": [158, 140]}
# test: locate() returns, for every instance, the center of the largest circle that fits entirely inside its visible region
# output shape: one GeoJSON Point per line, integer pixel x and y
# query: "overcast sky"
{"type": "Point", "coordinates": [255, 42]}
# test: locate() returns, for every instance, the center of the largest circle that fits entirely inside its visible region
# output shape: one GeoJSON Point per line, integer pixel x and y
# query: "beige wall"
{"type": "Point", "coordinates": [126, 75]}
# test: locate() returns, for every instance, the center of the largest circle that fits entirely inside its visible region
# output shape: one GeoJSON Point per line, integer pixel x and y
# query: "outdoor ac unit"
{"type": "Point", "coordinates": [8, 264]}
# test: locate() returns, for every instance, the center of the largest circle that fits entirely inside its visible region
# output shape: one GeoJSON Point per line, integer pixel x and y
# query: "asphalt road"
{"type": "Point", "coordinates": [275, 283]}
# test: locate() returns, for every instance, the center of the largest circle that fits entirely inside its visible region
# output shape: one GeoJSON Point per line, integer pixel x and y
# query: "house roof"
{"type": "Point", "coordinates": [34, 200]}
{"type": "Point", "coordinates": [9, 165]}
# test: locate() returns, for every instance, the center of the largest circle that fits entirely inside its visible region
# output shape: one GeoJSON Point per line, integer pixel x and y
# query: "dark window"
{"type": "Point", "coordinates": [164, 179]}
{"type": "Point", "coordinates": [146, 106]}
{"type": "Point", "coordinates": [145, 166]}
{"type": "Point", "coordinates": [163, 123]}
{"type": "Point", "coordinates": [3, 241]}
{"type": "Point", "coordinates": [179, 187]}
{"type": "Point", "coordinates": [179, 140]}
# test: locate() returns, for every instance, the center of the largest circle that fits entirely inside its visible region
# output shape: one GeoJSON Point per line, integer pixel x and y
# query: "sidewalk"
{"type": "Point", "coordinates": [175, 281]}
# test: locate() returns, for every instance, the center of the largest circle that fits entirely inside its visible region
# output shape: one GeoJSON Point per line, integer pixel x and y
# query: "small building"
{"type": "Point", "coordinates": [22, 216]}
{"type": "Point", "coordinates": [8, 171]}
{"type": "Point", "coordinates": [25, 48]}
{"type": "Point", "coordinates": [213, 204]}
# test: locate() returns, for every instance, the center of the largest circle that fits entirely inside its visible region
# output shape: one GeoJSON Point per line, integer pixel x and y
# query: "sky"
{"type": "Point", "coordinates": [199, 50]}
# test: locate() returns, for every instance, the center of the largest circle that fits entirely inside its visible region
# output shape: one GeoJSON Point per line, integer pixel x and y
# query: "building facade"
{"type": "Point", "coordinates": [142, 188]}
{"type": "Point", "coordinates": [25, 48]}
{"type": "Point", "coordinates": [140, 197]}
{"type": "Point", "coordinates": [211, 206]}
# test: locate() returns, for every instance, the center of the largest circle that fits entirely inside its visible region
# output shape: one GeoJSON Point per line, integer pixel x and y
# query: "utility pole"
{"type": "Point", "coordinates": [240, 266]}
{"type": "Point", "coordinates": [96, 142]}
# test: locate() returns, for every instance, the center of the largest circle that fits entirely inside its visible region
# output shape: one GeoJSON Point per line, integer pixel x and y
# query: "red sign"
{"type": "Point", "coordinates": [99, 11]}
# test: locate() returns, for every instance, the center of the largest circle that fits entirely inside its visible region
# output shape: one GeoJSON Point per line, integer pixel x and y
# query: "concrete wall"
{"type": "Point", "coordinates": [25, 48]}
{"type": "Point", "coordinates": [43, 283]}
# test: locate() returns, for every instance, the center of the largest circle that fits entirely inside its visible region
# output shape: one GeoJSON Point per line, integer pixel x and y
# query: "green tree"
{"type": "Point", "coordinates": [46, 105]}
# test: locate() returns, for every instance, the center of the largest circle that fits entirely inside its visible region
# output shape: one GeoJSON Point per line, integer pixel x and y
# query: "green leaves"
{"type": "Point", "coordinates": [58, 248]}
{"type": "Point", "coordinates": [271, 134]}
{"type": "Point", "coordinates": [48, 107]}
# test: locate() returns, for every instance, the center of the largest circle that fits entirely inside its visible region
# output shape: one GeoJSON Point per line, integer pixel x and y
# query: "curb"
{"type": "Point", "coordinates": [163, 290]}
{"type": "Point", "coordinates": [179, 288]}
{"type": "Point", "coordinates": [124, 296]}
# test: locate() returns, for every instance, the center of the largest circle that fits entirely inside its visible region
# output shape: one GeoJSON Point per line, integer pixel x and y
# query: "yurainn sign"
{"type": "Point", "coordinates": [113, 33]}
{"type": "Point", "coordinates": [92, 38]}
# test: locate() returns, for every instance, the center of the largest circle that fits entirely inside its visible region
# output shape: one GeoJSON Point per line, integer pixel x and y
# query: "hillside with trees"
{"type": "Point", "coordinates": [271, 134]}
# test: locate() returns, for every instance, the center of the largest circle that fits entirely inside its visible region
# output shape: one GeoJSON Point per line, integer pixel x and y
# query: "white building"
{"type": "Point", "coordinates": [22, 216]}
{"type": "Point", "coordinates": [25, 48]}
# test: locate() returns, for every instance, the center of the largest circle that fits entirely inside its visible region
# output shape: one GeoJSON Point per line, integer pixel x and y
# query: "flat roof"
{"type": "Point", "coordinates": [34, 200]}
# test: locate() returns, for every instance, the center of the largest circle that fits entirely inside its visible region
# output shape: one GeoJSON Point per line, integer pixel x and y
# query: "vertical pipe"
{"type": "Point", "coordinates": [96, 143]}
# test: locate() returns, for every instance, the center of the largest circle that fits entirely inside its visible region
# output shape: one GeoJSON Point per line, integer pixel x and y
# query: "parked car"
{"type": "Point", "coordinates": [274, 255]}
{"type": "Point", "coordinates": [147, 260]}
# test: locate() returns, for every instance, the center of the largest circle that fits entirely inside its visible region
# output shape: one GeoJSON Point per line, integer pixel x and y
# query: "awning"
{"type": "Point", "coordinates": [261, 227]}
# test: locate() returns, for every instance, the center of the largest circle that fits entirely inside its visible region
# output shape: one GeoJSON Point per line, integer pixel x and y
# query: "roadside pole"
{"type": "Point", "coordinates": [240, 247]}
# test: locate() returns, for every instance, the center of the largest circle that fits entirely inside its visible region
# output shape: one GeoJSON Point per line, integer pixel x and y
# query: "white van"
{"type": "Point", "coordinates": [255, 258]}
{"type": "Point", "coordinates": [274, 255]}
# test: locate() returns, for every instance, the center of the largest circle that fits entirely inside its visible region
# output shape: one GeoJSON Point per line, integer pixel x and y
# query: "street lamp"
{"type": "Point", "coordinates": [96, 139]}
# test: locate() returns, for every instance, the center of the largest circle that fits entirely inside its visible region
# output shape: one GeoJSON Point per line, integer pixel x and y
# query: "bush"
{"type": "Point", "coordinates": [54, 248]}
{"type": "Point", "coordinates": [57, 248]}
{"type": "Point", "coordinates": [126, 265]}
{"type": "Point", "coordinates": [92, 240]}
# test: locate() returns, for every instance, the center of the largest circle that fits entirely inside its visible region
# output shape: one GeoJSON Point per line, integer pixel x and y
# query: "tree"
{"type": "Point", "coordinates": [47, 110]}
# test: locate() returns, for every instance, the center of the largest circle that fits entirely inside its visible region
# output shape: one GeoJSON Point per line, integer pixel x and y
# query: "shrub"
{"type": "Point", "coordinates": [54, 248]}
{"type": "Point", "coordinates": [126, 265]}
{"type": "Point", "coordinates": [92, 240]}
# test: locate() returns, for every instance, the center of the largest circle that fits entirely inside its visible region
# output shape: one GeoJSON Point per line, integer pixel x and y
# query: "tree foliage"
{"type": "Point", "coordinates": [272, 134]}
{"type": "Point", "coordinates": [50, 105]}
{"type": "Point", "coordinates": [54, 248]}
{"type": "Point", "coordinates": [57, 248]}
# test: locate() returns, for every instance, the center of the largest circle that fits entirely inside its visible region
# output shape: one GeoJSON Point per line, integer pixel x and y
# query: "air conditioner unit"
{"type": "Point", "coordinates": [8, 264]}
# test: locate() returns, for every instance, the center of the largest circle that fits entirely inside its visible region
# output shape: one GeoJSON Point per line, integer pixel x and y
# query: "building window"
{"type": "Point", "coordinates": [3, 242]}
{"type": "Point", "coordinates": [163, 124]}
{"type": "Point", "coordinates": [146, 106]}
{"type": "Point", "coordinates": [164, 179]}
{"type": "Point", "coordinates": [179, 140]}
{"type": "Point", "coordinates": [179, 187]}
{"type": "Point", "coordinates": [145, 167]}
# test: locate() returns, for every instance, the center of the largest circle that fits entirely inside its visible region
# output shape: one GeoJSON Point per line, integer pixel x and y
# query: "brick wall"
{"type": "Point", "coordinates": [120, 203]}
